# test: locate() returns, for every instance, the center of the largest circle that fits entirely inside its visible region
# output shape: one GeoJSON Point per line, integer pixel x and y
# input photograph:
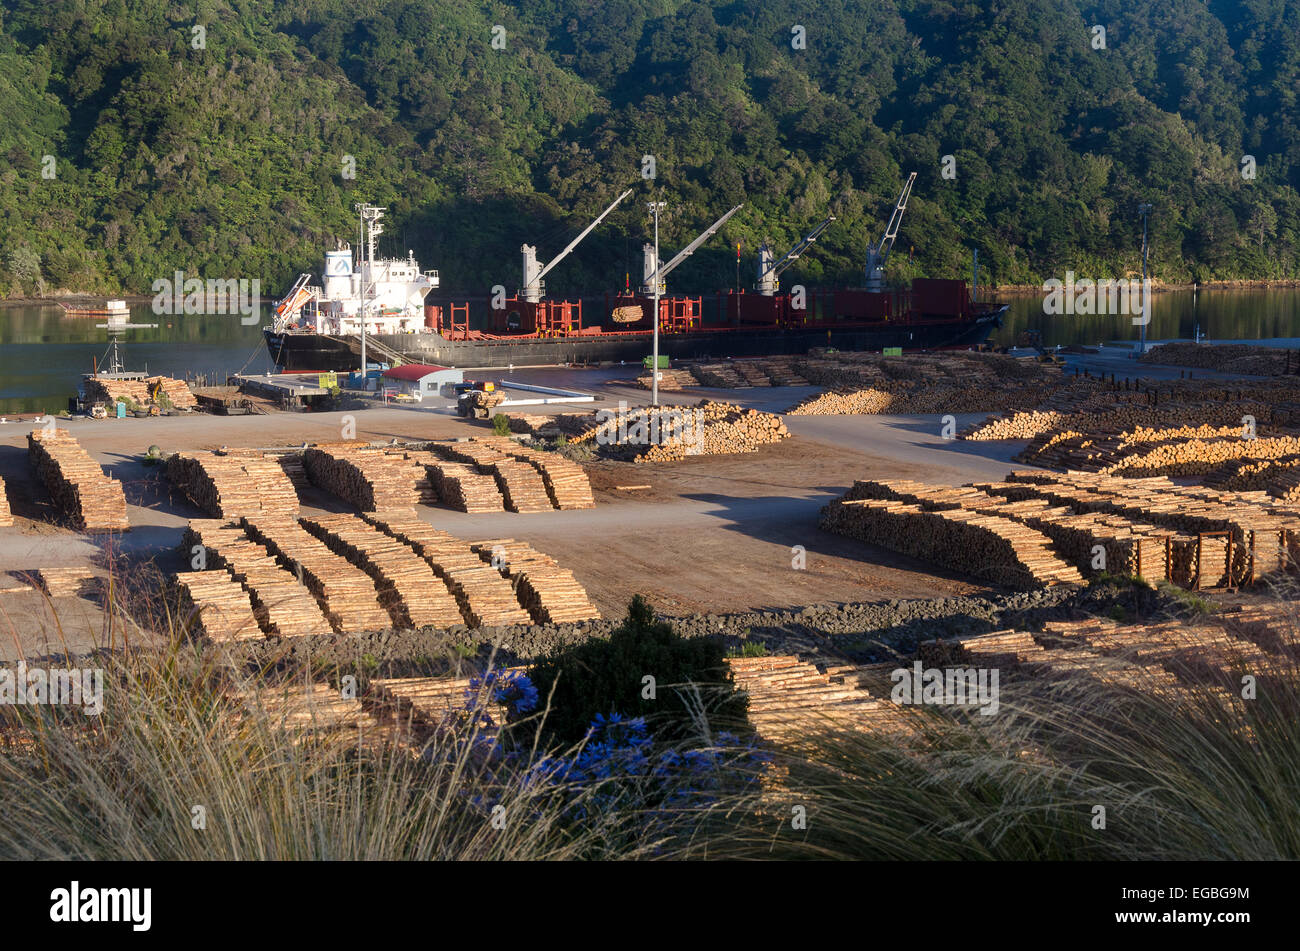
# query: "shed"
{"type": "Point", "coordinates": [422, 379]}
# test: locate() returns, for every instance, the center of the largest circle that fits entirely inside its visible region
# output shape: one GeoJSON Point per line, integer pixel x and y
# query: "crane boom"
{"type": "Point", "coordinates": [591, 227]}
{"type": "Point", "coordinates": [769, 270]}
{"type": "Point", "coordinates": [878, 254]}
{"type": "Point", "coordinates": [662, 270]}
{"type": "Point", "coordinates": [533, 273]}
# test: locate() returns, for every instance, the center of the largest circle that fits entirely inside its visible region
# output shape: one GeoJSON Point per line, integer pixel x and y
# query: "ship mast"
{"type": "Point", "coordinates": [371, 229]}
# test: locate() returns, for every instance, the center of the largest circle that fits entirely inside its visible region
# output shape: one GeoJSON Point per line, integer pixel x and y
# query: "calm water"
{"type": "Point", "coordinates": [43, 352]}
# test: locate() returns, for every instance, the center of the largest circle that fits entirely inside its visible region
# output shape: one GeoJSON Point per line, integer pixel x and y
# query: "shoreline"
{"type": "Point", "coordinates": [1016, 290]}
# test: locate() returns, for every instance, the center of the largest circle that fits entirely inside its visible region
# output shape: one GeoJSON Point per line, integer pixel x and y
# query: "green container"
{"type": "Point", "coordinates": [647, 362]}
{"type": "Point", "coordinates": [892, 352]}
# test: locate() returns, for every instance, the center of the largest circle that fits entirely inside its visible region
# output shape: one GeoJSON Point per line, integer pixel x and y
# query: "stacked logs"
{"type": "Point", "coordinates": [65, 582]}
{"type": "Point", "coordinates": [281, 604]}
{"type": "Point", "coordinates": [346, 593]}
{"type": "Point", "coordinates": [221, 608]}
{"type": "Point", "coordinates": [718, 375]}
{"type": "Point", "coordinates": [550, 593]}
{"type": "Point", "coordinates": [985, 546]}
{"type": "Point", "coordinates": [845, 402]}
{"type": "Point", "coordinates": [232, 485]}
{"type": "Point", "coordinates": [370, 479]}
{"type": "Point", "coordinates": [6, 517]}
{"type": "Point", "coordinates": [566, 482]}
{"type": "Point", "coordinates": [672, 380]}
{"type": "Point", "coordinates": [734, 431]}
{"type": "Point", "coordinates": [110, 390]}
{"type": "Point", "coordinates": [1159, 453]}
{"type": "Point", "coordinates": [485, 598]}
{"type": "Point", "coordinates": [1221, 357]}
{"type": "Point", "coordinates": [463, 488]}
{"type": "Point", "coordinates": [1279, 477]}
{"type": "Point", "coordinates": [80, 489]}
{"type": "Point", "coordinates": [413, 594]}
{"type": "Point", "coordinates": [521, 485]}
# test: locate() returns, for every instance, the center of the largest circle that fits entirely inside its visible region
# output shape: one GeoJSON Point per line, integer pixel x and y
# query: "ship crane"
{"type": "Point", "coordinates": [769, 271]}
{"type": "Point", "coordinates": [878, 254]}
{"type": "Point", "coordinates": [533, 288]}
{"type": "Point", "coordinates": [655, 274]}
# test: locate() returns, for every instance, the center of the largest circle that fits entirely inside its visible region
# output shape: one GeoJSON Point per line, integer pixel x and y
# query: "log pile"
{"type": "Point", "coordinates": [1279, 477]}
{"type": "Point", "coordinates": [718, 375]}
{"type": "Point", "coordinates": [669, 379]}
{"type": "Point", "coordinates": [521, 485]}
{"type": "Point", "coordinates": [1223, 358]}
{"type": "Point", "coordinates": [346, 593]}
{"type": "Point", "coordinates": [110, 390]}
{"type": "Point", "coordinates": [734, 430]}
{"type": "Point", "coordinates": [782, 372]}
{"type": "Point", "coordinates": [783, 691]}
{"type": "Point", "coordinates": [1160, 452]}
{"type": "Point", "coordinates": [414, 595]}
{"type": "Point", "coordinates": [231, 485]}
{"type": "Point", "coordinates": [1265, 537]}
{"type": "Point", "coordinates": [81, 490]}
{"type": "Point", "coordinates": [845, 402]}
{"type": "Point", "coordinates": [220, 606]}
{"type": "Point", "coordinates": [550, 593]}
{"type": "Point", "coordinates": [66, 582]}
{"type": "Point", "coordinates": [370, 479]}
{"type": "Point", "coordinates": [566, 482]}
{"type": "Point", "coordinates": [985, 546]}
{"type": "Point", "coordinates": [281, 604]}
{"type": "Point", "coordinates": [464, 489]}
{"type": "Point", "coordinates": [485, 598]}
{"type": "Point", "coordinates": [6, 517]}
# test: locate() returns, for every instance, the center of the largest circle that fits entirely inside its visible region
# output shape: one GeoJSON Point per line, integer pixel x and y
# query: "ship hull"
{"type": "Point", "coordinates": [310, 351]}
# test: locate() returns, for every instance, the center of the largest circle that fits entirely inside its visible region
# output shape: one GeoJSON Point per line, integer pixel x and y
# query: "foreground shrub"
{"type": "Point", "coordinates": [602, 677]}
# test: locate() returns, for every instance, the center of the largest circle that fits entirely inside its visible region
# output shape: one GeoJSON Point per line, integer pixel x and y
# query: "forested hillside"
{"type": "Point", "coordinates": [229, 151]}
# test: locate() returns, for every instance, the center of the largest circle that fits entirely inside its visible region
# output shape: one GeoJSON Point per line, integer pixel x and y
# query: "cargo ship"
{"type": "Point", "coordinates": [374, 309]}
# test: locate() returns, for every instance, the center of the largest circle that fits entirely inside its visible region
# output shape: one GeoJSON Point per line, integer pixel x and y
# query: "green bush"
{"type": "Point", "coordinates": [606, 676]}
{"type": "Point", "coordinates": [501, 424]}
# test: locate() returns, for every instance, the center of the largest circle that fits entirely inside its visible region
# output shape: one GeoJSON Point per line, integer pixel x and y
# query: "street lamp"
{"type": "Point", "coordinates": [1144, 210]}
{"type": "Point", "coordinates": [655, 207]}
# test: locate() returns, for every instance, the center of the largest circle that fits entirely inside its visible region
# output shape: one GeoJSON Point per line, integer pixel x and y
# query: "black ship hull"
{"type": "Point", "coordinates": [305, 351]}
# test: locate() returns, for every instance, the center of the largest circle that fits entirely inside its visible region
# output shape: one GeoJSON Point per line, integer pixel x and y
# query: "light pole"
{"type": "Point", "coordinates": [1144, 210]}
{"type": "Point", "coordinates": [654, 357]}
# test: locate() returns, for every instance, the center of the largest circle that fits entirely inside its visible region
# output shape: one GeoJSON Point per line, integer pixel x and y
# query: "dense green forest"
{"type": "Point", "coordinates": [220, 136]}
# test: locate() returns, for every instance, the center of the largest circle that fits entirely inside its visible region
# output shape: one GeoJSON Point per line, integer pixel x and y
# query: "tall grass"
{"type": "Point", "coordinates": [1192, 774]}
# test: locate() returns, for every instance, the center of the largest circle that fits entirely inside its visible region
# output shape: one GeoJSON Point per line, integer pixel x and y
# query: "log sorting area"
{"type": "Point", "coordinates": [82, 492]}
{"type": "Point", "coordinates": [1038, 528]}
{"type": "Point", "coordinates": [349, 574]}
{"type": "Point", "coordinates": [661, 434]}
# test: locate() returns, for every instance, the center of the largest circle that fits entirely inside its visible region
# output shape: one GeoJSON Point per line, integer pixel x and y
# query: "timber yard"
{"type": "Point", "coordinates": [817, 505]}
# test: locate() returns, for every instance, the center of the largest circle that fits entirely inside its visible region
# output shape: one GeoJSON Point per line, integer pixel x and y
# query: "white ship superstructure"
{"type": "Point", "coordinates": [387, 294]}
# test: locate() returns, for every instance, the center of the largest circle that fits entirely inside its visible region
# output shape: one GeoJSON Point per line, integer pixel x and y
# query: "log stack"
{"type": "Point", "coordinates": [111, 390]}
{"type": "Point", "coordinates": [281, 604]}
{"type": "Point", "coordinates": [66, 582]}
{"type": "Point", "coordinates": [986, 546]}
{"type": "Point", "coordinates": [345, 592]}
{"type": "Point", "coordinates": [464, 488]}
{"type": "Point", "coordinates": [370, 479]}
{"type": "Point", "coordinates": [87, 497]}
{"type": "Point", "coordinates": [566, 482]}
{"type": "Point", "coordinates": [720, 429]}
{"type": "Point", "coordinates": [220, 606]}
{"type": "Point", "coordinates": [6, 517]}
{"type": "Point", "coordinates": [229, 486]}
{"type": "Point", "coordinates": [550, 593]}
{"type": "Point", "coordinates": [485, 598]}
{"type": "Point", "coordinates": [521, 486]}
{"type": "Point", "coordinates": [414, 595]}
{"type": "Point", "coordinates": [669, 380]}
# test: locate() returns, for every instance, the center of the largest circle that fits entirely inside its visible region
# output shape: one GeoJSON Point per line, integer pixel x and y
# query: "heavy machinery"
{"type": "Point", "coordinates": [767, 307]}
{"type": "Point", "coordinates": [477, 400]}
{"type": "Point", "coordinates": [878, 253]}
